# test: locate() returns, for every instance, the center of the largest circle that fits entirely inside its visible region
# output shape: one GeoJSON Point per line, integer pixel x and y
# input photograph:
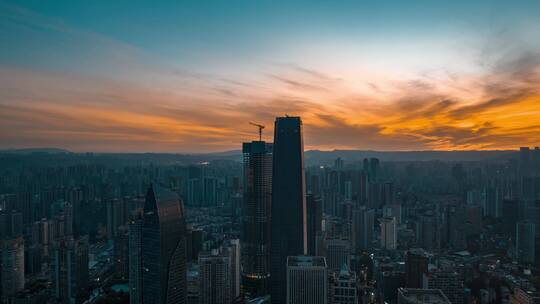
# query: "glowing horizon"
{"type": "Point", "coordinates": [189, 77]}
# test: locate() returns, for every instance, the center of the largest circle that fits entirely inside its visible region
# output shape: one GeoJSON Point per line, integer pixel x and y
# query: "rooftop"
{"type": "Point", "coordinates": [423, 296]}
{"type": "Point", "coordinates": [418, 251]}
{"type": "Point", "coordinates": [306, 261]}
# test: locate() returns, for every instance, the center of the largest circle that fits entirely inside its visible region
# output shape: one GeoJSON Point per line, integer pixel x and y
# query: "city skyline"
{"type": "Point", "coordinates": [189, 76]}
{"type": "Point", "coordinates": [269, 152]}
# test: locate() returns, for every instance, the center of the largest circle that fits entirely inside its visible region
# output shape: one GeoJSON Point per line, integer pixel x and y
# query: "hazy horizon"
{"type": "Point", "coordinates": [240, 150]}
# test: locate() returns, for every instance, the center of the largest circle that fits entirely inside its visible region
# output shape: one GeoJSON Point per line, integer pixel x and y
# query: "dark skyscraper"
{"type": "Point", "coordinates": [215, 278]}
{"type": "Point", "coordinates": [307, 280]}
{"type": "Point", "coordinates": [163, 254]}
{"type": "Point", "coordinates": [288, 224]}
{"type": "Point", "coordinates": [525, 237]}
{"type": "Point", "coordinates": [362, 228]}
{"type": "Point", "coordinates": [314, 222]}
{"type": "Point", "coordinates": [11, 267]}
{"type": "Point", "coordinates": [524, 160]}
{"type": "Point", "coordinates": [135, 263]}
{"type": "Point", "coordinates": [416, 264]}
{"type": "Point", "coordinates": [256, 217]}
{"type": "Point", "coordinates": [70, 266]}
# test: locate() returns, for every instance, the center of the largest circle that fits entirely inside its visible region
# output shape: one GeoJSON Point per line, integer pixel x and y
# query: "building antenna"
{"type": "Point", "coordinates": [261, 127]}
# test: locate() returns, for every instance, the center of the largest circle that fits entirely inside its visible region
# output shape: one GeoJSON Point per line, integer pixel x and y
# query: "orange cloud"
{"type": "Point", "coordinates": [206, 113]}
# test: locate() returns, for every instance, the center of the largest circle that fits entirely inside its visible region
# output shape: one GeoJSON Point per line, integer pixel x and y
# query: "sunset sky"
{"type": "Point", "coordinates": [188, 76]}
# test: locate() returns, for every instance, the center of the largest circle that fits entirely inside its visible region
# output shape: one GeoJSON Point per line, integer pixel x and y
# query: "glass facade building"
{"type": "Point", "coordinates": [288, 224]}
{"type": "Point", "coordinates": [163, 254]}
{"type": "Point", "coordinates": [255, 234]}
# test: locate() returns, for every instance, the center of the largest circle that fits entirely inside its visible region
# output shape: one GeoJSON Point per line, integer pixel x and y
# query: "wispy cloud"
{"type": "Point", "coordinates": [125, 99]}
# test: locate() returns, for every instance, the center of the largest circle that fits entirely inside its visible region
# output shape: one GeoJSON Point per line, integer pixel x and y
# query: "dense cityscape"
{"type": "Point", "coordinates": [270, 152]}
{"type": "Point", "coordinates": [269, 225]}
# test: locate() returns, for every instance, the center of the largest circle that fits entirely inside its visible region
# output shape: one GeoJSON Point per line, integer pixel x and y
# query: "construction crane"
{"type": "Point", "coordinates": [261, 127]}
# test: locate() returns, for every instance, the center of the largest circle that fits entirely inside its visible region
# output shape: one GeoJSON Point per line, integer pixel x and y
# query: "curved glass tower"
{"type": "Point", "coordinates": [288, 224]}
{"type": "Point", "coordinates": [163, 254]}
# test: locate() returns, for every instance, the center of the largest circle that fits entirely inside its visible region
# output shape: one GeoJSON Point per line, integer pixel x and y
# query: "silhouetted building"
{"type": "Point", "coordinates": [210, 191]}
{"type": "Point", "coordinates": [306, 280]}
{"type": "Point", "coordinates": [493, 201]}
{"type": "Point", "coordinates": [193, 283]}
{"type": "Point", "coordinates": [215, 279]}
{"type": "Point", "coordinates": [255, 233]}
{"type": "Point", "coordinates": [393, 210]}
{"type": "Point", "coordinates": [116, 216]}
{"type": "Point", "coordinates": [339, 163]}
{"type": "Point", "coordinates": [10, 224]}
{"type": "Point", "coordinates": [388, 233]}
{"type": "Point", "coordinates": [11, 267]}
{"type": "Point", "coordinates": [288, 225]}
{"type": "Point", "coordinates": [525, 161]}
{"type": "Point", "coordinates": [372, 167]}
{"type": "Point", "coordinates": [70, 264]}
{"type": "Point", "coordinates": [525, 237]}
{"type": "Point", "coordinates": [416, 265]}
{"type": "Point", "coordinates": [201, 187]}
{"type": "Point", "coordinates": [194, 192]}
{"type": "Point", "coordinates": [344, 289]}
{"type": "Point", "coordinates": [232, 249]}
{"type": "Point", "coordinates": [363, 220]}
{"type": "Point", "coordinates": [426, 233]}
{"type": "Point", "coordinates": [457, 224]}
{"type": "Point", "coordinates": [40, 236]}
{"type": "Point", "coordinates": [314, 222]}
{"type": "Point", "coordinates": [387, 195]}
{"type": "Point", "coordinates": [163, 253]}
{"type": "Point", "coordinates": [449, 282]}
{"type": "Point", "coordinates": [33, 259]}
{"type": "Point", "coordinates": [421, 296]}
{"type": "Point", "coordinates": [121, 254]}
{"type": "Point", "coordinates": [135, 260]}
{"type": "Point", "coordinates": [337, 253]}
{"type": "Point", "coordinates": [388, 283]}
{"type": "Point", "coordinates": [197, 239]}
{"type": "Point", "coordinates": [62, 218]}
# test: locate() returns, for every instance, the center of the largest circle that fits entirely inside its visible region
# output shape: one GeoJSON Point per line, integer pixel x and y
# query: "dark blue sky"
{"type": "Point", "coordinates": [218, 33]}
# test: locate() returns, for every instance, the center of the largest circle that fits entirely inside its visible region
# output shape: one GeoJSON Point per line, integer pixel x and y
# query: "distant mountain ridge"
{"type": "Point", "coordinates": [357, 155]}
{"type": "Point", "coordinates": [35, 150]}
{"type": "Point", "coordinates": [319, 156]}
{"type": "Point", "coordinates": [311, 156]}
